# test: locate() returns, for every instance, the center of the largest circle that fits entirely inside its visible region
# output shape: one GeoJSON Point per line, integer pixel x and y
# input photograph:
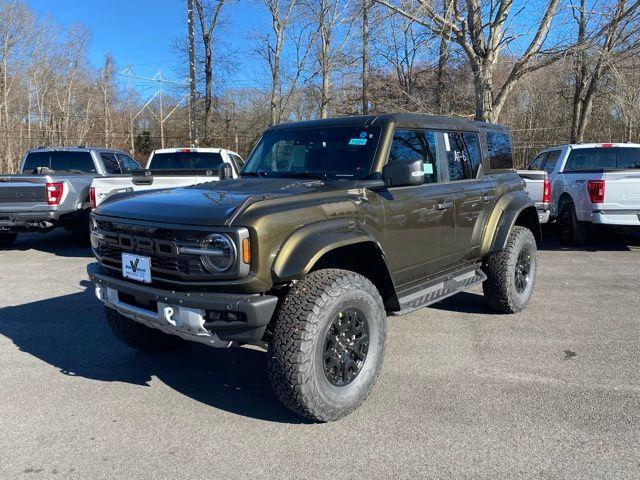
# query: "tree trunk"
{"type": "Point", "coordinates": [366, 5]}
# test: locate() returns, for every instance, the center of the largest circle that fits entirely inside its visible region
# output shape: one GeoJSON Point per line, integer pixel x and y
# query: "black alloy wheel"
{"type": "Point", "coordinates": [345, 347]}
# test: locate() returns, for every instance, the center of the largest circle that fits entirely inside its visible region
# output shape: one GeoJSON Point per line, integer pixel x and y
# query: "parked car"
{"type": "Point", "coordinates": [538, 187]}
{"type": "Point", "coordinates": [333, 225]}
{"type": "Point", "coordinates": [168, 168]}
{"type": "Point", "coordinates": [592, 184]}
{"type": "Point", "coordinates": [52, 190]}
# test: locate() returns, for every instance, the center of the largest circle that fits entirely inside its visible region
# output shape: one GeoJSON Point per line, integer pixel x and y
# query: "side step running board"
{"type": "Point", "coordinates": [440, 290]}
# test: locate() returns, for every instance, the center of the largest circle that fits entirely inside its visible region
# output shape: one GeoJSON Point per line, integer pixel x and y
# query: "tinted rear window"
{"type": "Point", "coordinates": [499, 146]}
{"type": "Point", "coordinates": [186, 161]}
{"type": "Point", "coordinates": [611, 158]}
{"type": "Point", "coordinates": [60, 161]}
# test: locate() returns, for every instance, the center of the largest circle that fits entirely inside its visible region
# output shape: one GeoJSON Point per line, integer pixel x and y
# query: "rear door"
{"type": "Point", "coordinates": [420, 228]}
{"type": "Point", "coordinates": [474, 192]}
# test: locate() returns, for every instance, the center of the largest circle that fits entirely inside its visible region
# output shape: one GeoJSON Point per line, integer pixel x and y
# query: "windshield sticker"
{"type": "Point", "coordinates": [427, 168]}
{"type": "Point", "coordinates": [446, 142]}
{"type": "Point", "coordinates": [358, 141]}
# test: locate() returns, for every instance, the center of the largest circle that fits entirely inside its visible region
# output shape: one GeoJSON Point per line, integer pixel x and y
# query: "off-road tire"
{"type": "Point", "coordinates": [500, 291]}
{"type": "Point", "coordinates": [138, 336]}
{"type": "Point", "coordinates": [7, 239]}
{"type": "Point", "coordinates": [572, 232]}
{"type": "Point", "coordinates": [295, 361]}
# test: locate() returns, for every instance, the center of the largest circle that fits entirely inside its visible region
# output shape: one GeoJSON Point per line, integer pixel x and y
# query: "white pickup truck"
{"type": "Point", "coordinates": [168, 168]}
{"type": "Point", "coordinates": [595, 183]}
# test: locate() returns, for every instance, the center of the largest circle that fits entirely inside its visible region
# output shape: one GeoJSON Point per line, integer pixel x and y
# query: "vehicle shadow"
{"type": "Point", "coordinates": [69, 332]}
{"type": "Point", "coordinates": [598, 240]}
{"type": "Point", "coordinates": [465, 302]}
{"type": "Point", "coordinates": [58, 242]}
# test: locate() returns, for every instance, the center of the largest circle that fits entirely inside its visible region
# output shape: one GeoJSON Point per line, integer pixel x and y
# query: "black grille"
{"type": "Point", "coordinates": [160, 244]}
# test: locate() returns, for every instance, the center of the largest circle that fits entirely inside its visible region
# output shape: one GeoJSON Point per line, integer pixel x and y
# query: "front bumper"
{"type": "Point", "coordinates": [216, 319]}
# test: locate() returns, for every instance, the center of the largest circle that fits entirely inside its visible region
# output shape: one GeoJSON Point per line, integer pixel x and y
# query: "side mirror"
{"type": "Point", "coordinates": [225, 171]}
{"type": "Point", "coordinates": [401, 174]}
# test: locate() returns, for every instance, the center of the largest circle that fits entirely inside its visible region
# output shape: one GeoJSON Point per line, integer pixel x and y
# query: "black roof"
{"type": "Point", "coordinates": [401, 120]}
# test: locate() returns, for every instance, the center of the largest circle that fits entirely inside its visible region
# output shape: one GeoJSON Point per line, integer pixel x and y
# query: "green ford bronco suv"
{"type": "Point", "coordinates": [334, 225]}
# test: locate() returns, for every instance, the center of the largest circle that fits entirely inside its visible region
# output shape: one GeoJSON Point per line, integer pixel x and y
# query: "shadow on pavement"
{"type": "Point", "coordinates": [464, 302]}
{"type": "Point", "coordinates": [598, 240]}
{"type": "Point", "coordinates": [58, 242]}
{"type": "Point", "coordinates": [69, 332]}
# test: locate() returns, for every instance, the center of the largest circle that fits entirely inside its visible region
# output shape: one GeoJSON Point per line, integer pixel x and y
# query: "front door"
{"type": "Point", "coordinates": [419, 220]}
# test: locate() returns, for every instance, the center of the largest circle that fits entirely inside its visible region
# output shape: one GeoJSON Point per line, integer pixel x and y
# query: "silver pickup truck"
{"type": "Point", "coordinates": [592, 184]}
{"type": "Point", "coordinates": [52, 190]}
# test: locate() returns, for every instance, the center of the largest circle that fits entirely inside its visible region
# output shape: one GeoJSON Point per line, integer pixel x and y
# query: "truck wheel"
{"type": "Point", "coordinates": [138, 336]}
{"type": "Point", "coordinates": [511, 273]}
{"type": "Point", "coordinates": [572, 232]}
{"type": "Point", "coordinates": [80, 230]}
{"type": "Point", "coordinates": [7, 239]}
{"type": "Point", "coordinates": [327, 345]}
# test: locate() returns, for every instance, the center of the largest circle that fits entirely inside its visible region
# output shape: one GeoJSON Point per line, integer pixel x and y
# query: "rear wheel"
{"type": "Point", "coordinates": [80, 230]}
{"type": "Point", "coordinates": [511, 273]}
{"type": "Point", "coordinates": [572, 232]}
{"type": "Point", "coordinates": [7, 239]}
{"type": "Point", "coordinates": [328, 344]}
{"type": "Point", "coordinates": [139, 336]}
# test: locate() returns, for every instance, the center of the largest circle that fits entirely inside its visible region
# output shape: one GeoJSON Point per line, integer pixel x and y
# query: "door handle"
{"type": "Point", "coordinates": [444, 206]}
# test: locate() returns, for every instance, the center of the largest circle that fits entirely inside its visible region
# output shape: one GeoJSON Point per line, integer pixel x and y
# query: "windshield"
{"type": "Point", "coordinates": [59, 161]}
{"type": "Point", "coordinates": [603, 158]}
{"type": "Point", "coordinates": [328, 152]}
{"type": "Point", "coordinates": [185, 161]}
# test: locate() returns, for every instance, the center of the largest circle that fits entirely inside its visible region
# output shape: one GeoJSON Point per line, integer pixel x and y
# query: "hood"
{"type": "Point", "coordinates": [210, 203]}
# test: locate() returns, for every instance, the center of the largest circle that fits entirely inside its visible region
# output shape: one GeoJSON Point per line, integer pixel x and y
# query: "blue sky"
{"type": "Point", "coordinates": [141, 33]}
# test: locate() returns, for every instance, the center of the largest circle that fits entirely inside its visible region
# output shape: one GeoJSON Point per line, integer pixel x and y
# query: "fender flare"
{"type": "Point", "coordinates": [503, 217]}
{"type": "Point", "coordinates": [306, 245]}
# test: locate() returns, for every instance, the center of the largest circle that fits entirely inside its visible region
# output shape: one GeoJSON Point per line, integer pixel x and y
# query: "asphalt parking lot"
{"type": "Point", "coordinates": [553, 392]}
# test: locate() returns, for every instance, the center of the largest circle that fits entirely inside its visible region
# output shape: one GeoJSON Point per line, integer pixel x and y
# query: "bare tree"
{"type": "Point", "coordinates": [208, 17]}
{"type": "Point", "coordinates": [330, 17]}
{"type": "Point", "coordinates": [618, 42]}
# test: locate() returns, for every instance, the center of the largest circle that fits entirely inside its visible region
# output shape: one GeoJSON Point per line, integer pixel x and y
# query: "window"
{"type": "Point", "coordinates": [538, 162]}
{"type": "Point", "coordinates": [59, 161]}
{"type": "Point", "coordinates": [327, 152]}
{"type": "Point", "coordinates": [412, 145]}
{"type": "Point", "coordinates": [458, 157]}
{"type": "Point", "coordinates": [603, 158]}
{"type": "Point", "coordinates": [499, 147]}
{"type": "Point", "coordinates": [110, 163]}
{"type": "Point", "coordinates": [128, 163]}
{"type": "Point", "coordinates": [187, 160]}
{"type": "Point", "coordinates": [472, 142]}
{"type": "Point", "coordinates": [551, 161]}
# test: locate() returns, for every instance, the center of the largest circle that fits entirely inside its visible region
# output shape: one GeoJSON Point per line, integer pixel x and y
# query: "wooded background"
{"type": "Point", "coordinates": [554, 71]}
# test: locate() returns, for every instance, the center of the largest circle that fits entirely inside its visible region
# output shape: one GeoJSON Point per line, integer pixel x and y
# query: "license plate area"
{"type": "Point", "coordinates": [136, 267]}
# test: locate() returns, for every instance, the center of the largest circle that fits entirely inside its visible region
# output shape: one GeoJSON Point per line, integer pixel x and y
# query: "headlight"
{"type": "Point", "coordinates": [218, 252]}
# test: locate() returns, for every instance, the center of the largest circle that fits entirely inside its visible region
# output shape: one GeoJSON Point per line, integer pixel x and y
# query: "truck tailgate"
{"type": "Point", "coordinates": [22, 192]}
{"type": "Point", "coordinates": [622, 192]}
{"type": "Point", "coordinates": [535, 183]}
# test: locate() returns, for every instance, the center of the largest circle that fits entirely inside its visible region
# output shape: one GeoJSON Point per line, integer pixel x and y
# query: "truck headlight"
{"type": "Point", "coordinates": [218, 252]}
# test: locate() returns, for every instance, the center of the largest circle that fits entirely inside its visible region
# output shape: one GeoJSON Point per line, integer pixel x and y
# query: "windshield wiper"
{"type": "Point", "coordinates": [315, 175]}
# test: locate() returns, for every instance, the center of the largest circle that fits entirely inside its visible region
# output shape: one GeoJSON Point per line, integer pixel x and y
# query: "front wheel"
{"type": "Point", "coordinates": [7, 239]}
{"type": "Point", "coordinates": [511, 273]}
{"type": "Point", "coordinates": [328, 343]}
